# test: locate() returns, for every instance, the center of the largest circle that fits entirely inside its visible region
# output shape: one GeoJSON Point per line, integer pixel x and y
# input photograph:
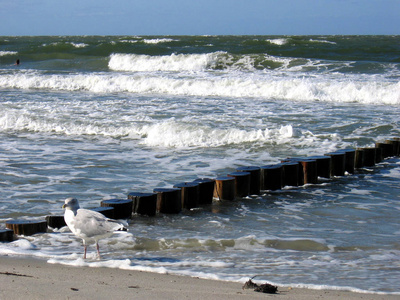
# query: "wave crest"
{"type": "Point", "coordinates": [173, 62]}
{"type": "Point", "coordinates": [173, 134]}
{"type": "Point", "coordinates": [168, 133]}
{"type": "Point", "coordinates": [4, 53]}
{"type": "Point", "coordinates": [266, 86]}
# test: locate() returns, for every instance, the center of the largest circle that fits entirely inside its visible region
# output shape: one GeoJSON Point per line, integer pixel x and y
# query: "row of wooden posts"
{"type": "Point", "coordinates": [245, 181]}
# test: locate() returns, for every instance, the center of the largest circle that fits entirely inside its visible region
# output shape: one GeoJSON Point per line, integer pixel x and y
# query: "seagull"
{"type": "Point", "coordinates": [89, 225]}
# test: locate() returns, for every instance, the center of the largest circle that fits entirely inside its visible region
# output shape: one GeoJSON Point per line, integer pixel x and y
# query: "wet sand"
{"type": "Point", "coordinates": [24, 278]}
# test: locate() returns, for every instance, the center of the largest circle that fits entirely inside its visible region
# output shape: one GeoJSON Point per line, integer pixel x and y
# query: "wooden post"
{"type": "Point", "coordinates": [324, 165]}
{"type": "Point", "coordinates": [107, 211]}
{"type": "Point", "coordinates": [206, 190]}
{"type": "Point", "coordinates": [143, 203]}
{"type": "Point", "coordinates": [396, 145]}
{"type": "Point", "coordinates": [369, 156]}
{"type": "Point", "coordinates": [242, 183]}
{"type": "Point", "coordinates": [6, 235]}
{"type": "Point", "coordinates": [387, 149]}
{"type": "Point", "coordinates": [271, 177]}
{"type": "Point", "coordinates": [26, 227]}
{"type": "Point", "coordinates": [307, 170]}
{"type": "Point", "coordinates": [189, 194]}
{"type": "Point", "coordinates": [55, 221]}
{"type": "Point", "coordinates": [300, 176]}
{"type": "Point", "coordinates": [397, 142]}
{"type": "Point", "coordinates": [359, 159]}
{"type": "Point", "coordinates": [122, 207]}
{"type": "Point", "coordinates": [338, 163]}
{"type": "Point", "coordinates": [224, 188]}
{"type": "Point", "coordinates": [290, 173]}
{"type": "Point", "coordinates": [350, 155]}
{"type": "Point", "coordinates": [378, 155]}
{"type": "Point", "coordinates": [169, 200]}
{"type": "Point", "coordinates": [255, 179]}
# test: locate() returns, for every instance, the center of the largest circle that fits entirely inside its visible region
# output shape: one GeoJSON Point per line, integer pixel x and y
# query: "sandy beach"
{"type": "Point", "coordinates": [23, 278]}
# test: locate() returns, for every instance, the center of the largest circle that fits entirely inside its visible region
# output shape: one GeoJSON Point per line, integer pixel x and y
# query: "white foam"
{"type": "Point", "coordinates": [173, 62]}
{"type": "Point", "coordinates": [79, 45]}
{"type": "Point", "coordinates": [278, 41]}
{"type": "Point", "coordinates": [4, 53]}
{"type": "Point", "coordinates": [169, 133]}
{"type": "Point", "coordinates": [172, 134]}
{"type": "Point", "coordinates": [267, 86]}
{"type": "Point", "coordinates": [24, 244]}
{"type": "Point", "coordinates": [323, 41]}
{"type": "Point", "coordinates": [158, 41]}
{"type": "Point", "coordinates": [127, 41]}
{"type": "Point", "coordinates": [359, 192]}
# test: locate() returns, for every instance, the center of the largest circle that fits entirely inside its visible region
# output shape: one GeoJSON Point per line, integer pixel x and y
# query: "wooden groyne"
{"type": "Point", "coordinates": [245, 181]}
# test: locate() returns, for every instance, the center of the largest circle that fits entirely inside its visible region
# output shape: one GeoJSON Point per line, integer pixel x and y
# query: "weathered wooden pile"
{"type": "Point", "coordinates": [246, 181]}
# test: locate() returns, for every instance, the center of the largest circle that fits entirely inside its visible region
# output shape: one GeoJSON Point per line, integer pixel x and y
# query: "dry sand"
{"type": "Point", "coordinates": [22, 278]}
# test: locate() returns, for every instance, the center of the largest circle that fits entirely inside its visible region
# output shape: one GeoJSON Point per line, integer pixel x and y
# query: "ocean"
{"type": "Point", "coordinates": [98, 117]}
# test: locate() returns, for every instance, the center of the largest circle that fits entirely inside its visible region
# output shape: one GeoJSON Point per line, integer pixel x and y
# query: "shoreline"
{"type": "Point", "coordinates": [31, 278]}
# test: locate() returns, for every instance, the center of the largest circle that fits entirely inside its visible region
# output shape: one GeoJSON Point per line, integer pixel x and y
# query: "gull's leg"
{"type": "Point", "coordinates": [98, 250]}
{"type": "Point", "coordinates": [84, 253]}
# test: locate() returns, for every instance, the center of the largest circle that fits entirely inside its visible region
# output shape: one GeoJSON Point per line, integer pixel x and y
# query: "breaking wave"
{"type": "Point", "coordinates": [266, 86]}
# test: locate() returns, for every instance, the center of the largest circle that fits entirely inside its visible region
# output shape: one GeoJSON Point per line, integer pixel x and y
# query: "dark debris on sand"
{"type": "Point", "coordinates": [263, 288]}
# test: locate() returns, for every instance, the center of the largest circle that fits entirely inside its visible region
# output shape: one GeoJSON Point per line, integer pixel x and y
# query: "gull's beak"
{"type": "Point", "coordinates": [64, 206]}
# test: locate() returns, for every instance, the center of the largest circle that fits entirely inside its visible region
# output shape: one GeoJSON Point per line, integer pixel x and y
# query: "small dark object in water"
{"type": "Point", "coordinates": [264, 288]}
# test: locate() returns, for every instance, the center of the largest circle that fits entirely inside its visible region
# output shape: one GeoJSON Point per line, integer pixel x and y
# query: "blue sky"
{"type": "Point", "coordinates": [203, 17]}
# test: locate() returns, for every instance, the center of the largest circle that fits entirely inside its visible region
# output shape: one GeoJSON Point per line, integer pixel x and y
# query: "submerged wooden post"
{"type": "Point", "coordinates": [26, 227]}
{"type": "Point", "coordinates": [307, 170]}
{"type": "Point", "coordinates": [387, 149]}
{"type": "Point", "coordinates": [55, 221]}
{"type": "Point", "coordinates": [225, 188]}
{"type": "Point", "coordinates": [242, 183]}
{"type": "Point", "coordinates": [122, 207]}
{"type": "Point", "coordinates": [378, 155]}
{"type": "Point", "coordinates": [300, 177]}
{"type": "Point", "coordinates": [206, 190]}
{"type": "Point", "coordinates": [255, 179]}
{"type": "Point", "coordinates": [397, 142]}
{"type": "Point", "coordinates": [369, 156]}
{"type": "Point", "coordinates": [6, 235]}
{"type": "Point", "coordinates": [338, 163]}
{"type": "Point", "coordinates": [396, 145]}
{"type": "Point", "coordinates": [271, 177]}
{"type": "Point", "coordinates": [189, 194]}
{"type": "Point", "coordinates": [107, 211]}
{"type": "Point", "coordinates": [290, 173]}
{"type": "Point", "coordinates": [143, 203]}
{"type": "Point", "coordinates": [324, 165]}
{"type": "Point", "coordinates": [350, 155]}
{"type": "Point", "coordinates": [169, 200]}
{"type": "Point", "coordinates": [359, 159]}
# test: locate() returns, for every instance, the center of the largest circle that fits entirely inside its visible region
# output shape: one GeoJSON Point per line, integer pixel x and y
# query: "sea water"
{"type": "Point", "coordinates": [97, 117]}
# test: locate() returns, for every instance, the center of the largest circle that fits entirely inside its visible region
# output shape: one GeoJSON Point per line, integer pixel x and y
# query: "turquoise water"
{"type": "Point", "coordinates": [99, 117]}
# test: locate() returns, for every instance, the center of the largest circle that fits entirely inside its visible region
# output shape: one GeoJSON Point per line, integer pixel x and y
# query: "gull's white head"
{"type": "Point", "coordinates": [71, 203]}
